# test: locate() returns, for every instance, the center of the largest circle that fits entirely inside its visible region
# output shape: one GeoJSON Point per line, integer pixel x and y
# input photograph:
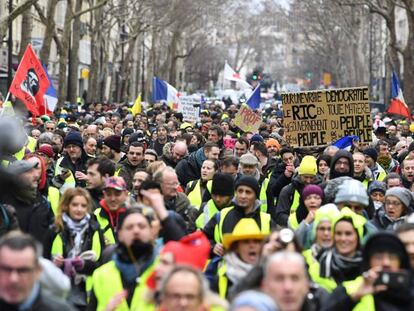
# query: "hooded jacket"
{"type": "Point", "coordinates": [285, 201]}
{"type": "Point", "coordinates": [341, 154]}
{"type": "Point", "coordinates": [189, 168]}
{"type": "Point", "coordinates": [126, 170]}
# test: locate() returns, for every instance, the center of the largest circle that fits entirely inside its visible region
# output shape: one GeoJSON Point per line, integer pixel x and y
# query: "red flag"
{"type": "Point", "coordinates": [30, 82]}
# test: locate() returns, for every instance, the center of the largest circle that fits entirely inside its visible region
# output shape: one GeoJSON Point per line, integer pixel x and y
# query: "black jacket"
{"type": "Point", "coordinates": [341, 154]}
{"type": "Point", "coordinates": [189, 168]}
{"type": "Point", "coordinates": [8, 219]}
{"type": "Point", "coordinates": [43, 302]}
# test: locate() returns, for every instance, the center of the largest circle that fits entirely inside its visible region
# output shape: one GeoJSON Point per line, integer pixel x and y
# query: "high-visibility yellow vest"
{"type": "Point", "coordinates": [194, 196]}
{"type": "Point", "coordinates": [218, 230]}
{"type": "Point", "coordinates": [19, 155]}
{"type": "Point", "coordinates": [293, 221]}
{"type": "Point", "coordinates": [57, 249]}
{"type": "Point", "coordinates": [295, 202]}
{"type": "Point", "coordinates": [209, 210]}
{"type": "Point", "coordinates": [223, 282]}
{"type": "Point", "coordinates": [314, 271]}
{"type": "Point", "coordinates": [105, 227]}
{"type": "Point", "coordinates": [263, 196]}
{"type": "Point", "coordinates": [70, 182]}
{"type": "Point", "coordinates": [367, 302]}
{"type": "Point", "coordinates": [31, 144]}
{"type": "Point", "coordinates": [381, 176]}
{"type": "Point", "coordinates": [53, 196]}
{"type": "Point", "coordinates": [107, 282]}
{"type": "Point", "coordinates": [365, 183]}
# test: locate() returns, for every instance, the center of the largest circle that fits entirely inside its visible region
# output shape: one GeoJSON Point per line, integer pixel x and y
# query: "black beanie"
{"type": "Point", "coordinates": [73, 138]}
{"type": "Point", "coordinates": [371, 152]}
{"type": "Point", "coordinates": [223, 184]}
{"type": "Point", "coordinates": [113, 142]}
{"type": "Point", "coordinates": [249, 181]}
{"type": "Point", "coordinates": [381, 242]}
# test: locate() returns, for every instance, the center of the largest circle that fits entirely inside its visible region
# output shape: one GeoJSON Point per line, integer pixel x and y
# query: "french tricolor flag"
{"type": "Point", "coordinates": [50, 98]}
{"type": "Point", "coordinates": [398, 105]}
{"type": "Point", "coordinates": [161, 90]}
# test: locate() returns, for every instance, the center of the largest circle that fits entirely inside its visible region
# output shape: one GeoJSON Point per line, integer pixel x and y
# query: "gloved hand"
{"type": "Point", "coordinates": [78, 263]}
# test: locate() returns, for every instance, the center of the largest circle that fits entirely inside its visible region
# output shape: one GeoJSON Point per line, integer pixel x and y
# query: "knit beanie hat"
{"type": "Point", "coordinates": [73, 138]}
{"type": "Point", "coordinates": [352, 191]}
{"type": "Point", "coordinates": [385, 242]}
{"type": "Point", "coordinates": [113, 142]}
{"type": "Point", "coordinates": [256, 137]}
{"type": "Point", "coordinates": [223, 184]}
{"type": "Point", "coordinates": [47, 150]}
{"type": "Point", "coordinates": [328, 212]}
{"type": "Point", "coordinates": [312, 189]}
{"type": "Point", "coordinates": [403, 194]}
{"type": "Point", "coordinates": [308, 166]}
{"type": "Point", "coordinates": [273, 142]}
{"type": "Point", "coordinates": [371, 152]}
{"type": "Point", "coordinates": [250, 182]}
{"type": "Point", "coordinates": [377, 186]}
{"type": "Point", "coordinates": [256, 300]}
{"type": "Point", "coordinates": [127, 131]}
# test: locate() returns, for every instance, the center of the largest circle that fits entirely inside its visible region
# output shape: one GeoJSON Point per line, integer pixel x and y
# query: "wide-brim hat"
{"type": "Point", "coordinates": [246, 229]}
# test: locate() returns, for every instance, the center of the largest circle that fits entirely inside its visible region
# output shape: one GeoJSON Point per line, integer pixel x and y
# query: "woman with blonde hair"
{"type": "Point", "coordinates": [76, 242]}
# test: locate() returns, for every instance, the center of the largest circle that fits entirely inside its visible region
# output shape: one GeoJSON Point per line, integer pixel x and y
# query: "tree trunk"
{"type": "Point", "coordinates": [172, 72]}
{"type": "Point", "coordinates": [49, 31]}
{"type": "Point", "coordinates": [63, 57]}
{"type": "Point", "coordinates": [150, 72]}
{"type": "Point", "coordinates": [74, 56]}
{"type": "Point", "coordinates": [26, 34]}
{"type": "Point", "coordinates": [409, 62]}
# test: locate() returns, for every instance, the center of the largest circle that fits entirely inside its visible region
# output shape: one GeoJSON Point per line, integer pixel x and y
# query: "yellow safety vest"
{"type": "Point", "coordinates": [296, 202]}
{"type": "Point", "coordinates": [53, 196]}
{"type": "Point", "coordinates": [118, 171]}
{"type": "Point", "coordinates": [105, 227]}
{"type": "Point", "coordinates": [209, 211]}
{"type": "Point", "coordinates": [223, 281]}
{"type": "Point", "coordinates": [263, 196]}
{"type": "Point", "coordinates": [70, 182]}
{"type": "Point", "coordinates": [57, 249]}
{"type": "Point", "coordinates": [19, 155]}
{"type": "Point", "coordinates": [314, 271]}
{"type": "Point", "coordinates": [194, 196]}
{"type": "Point", "coordinates": [381, 176]}
{"type": "Point", "coordinates": [218, 230]}
{"type": "Point", "coordinates": [367, 302]}
{"type": "Point", "coordinates": [31, 144]}
{"type": "Point", "coordinates": [293, 221]}
{"type": "Point", "coordinates": [365, 183]}
{"type": "Point", "coordinates": [107, 282]}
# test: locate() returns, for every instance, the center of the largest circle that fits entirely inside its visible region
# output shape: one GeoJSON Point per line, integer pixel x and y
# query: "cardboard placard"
{"type": "Point", "coordinates": [189, 106]}
{"type": "Point", "coordinates": [247, 120]}
{"type": "Point", "coordinates": [319, 118]}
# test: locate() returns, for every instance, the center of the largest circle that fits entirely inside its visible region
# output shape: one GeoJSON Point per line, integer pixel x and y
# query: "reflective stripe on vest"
{"type": "Point", "coordinates": [107, 282]}
{"type": "Point", "coordinates": [218, 230]}
{"type": "Point", "coordinates": [53, 197]}
{"type": "Point", "coordinates": [296, 202]}
{"type": "Point", "coordinates": [209, 211]}
{"type": "Point", "coordinates": [381, 176]}
{"type": "Point", "coordinates": [263, 196]}
{"type": "Point", "coordinates": [70, 182]}
{"type": "Point", "coordinates": [223, 282]}
{"type": "Point", "coordinates": [105, 227]}
{"type": "Point", "coordinates": [367, 302]}
{"type": "Point", "coordinates": [194, 196]}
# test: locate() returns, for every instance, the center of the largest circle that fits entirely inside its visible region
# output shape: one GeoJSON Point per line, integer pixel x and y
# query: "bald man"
{"type": "Point", "coordinates": [178, 151]}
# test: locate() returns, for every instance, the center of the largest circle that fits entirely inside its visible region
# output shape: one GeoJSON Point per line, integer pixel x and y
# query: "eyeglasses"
{"type": "Point", "coordinates": [178, 296]}
{"type": "Point", "coordinates": [24, 271]}
{"type": "Point", "coordinates": [393, 203]}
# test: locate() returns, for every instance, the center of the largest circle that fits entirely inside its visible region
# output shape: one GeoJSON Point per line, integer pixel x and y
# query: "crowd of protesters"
{"type": "Point", "coordinates": [101, 209]}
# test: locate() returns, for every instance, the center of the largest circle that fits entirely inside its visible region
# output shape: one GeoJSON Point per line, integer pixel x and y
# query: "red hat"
{"type": "Point", "coordinates": [192, 250]}
{"type": "Point", "coordinates": [47, 150]}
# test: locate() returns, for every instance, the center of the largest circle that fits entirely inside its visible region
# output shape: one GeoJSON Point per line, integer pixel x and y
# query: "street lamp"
{"type": "Point", "coordinates": [10, 48]}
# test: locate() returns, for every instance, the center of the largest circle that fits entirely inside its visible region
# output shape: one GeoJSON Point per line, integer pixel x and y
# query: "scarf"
{"type": "Point", "coordinates": [237, 269]}
{"type": "Point", "coordinates": [77, 230]}
{"type": "Point", "coordinates": [338, 267]}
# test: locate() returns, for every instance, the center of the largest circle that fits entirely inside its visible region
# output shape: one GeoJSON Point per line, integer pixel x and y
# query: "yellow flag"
{"type": "Point", "coordinates": [137, 106]}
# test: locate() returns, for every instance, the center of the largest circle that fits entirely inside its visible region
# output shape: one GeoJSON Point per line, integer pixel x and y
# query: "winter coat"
{"type": "Point", "coordinates": [126, 170]}
{"type": "Point", "coordinates": [189, 168]}
{"type": "Point", "coordinates": [341, 154]}
{"type": "Point", "coordinates": [8, 219]}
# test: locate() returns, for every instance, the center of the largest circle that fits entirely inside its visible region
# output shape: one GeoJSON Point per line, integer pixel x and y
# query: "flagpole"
{"type": "Point", "coordinates": [5, 101]}
{"type": "Point", "coordinates": [258, 85]}
{"type": "Point", "coordinates": [222, 79]}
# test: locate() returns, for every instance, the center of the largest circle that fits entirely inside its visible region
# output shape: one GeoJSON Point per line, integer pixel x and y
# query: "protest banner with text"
{"type": "Point", "coordinates": [189, 106]}
{"type": "Point", "coordinates": [319, 118]}
{"type": "Point", "coordinates": [247, 119]}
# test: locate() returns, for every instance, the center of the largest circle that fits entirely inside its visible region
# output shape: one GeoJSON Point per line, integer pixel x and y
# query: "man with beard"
{"type": "Point", "coordinates": [32, 209]}
{"type": "Point", "coordinates": [342, 164]}
{"type": "Point", "coordinates": [134, 160]}
{"type": "Point", "coordinates": [120, 283]}
{"type": "Point", "coordinates": [112, 148]}
{"type": "Point", "coordinates": [162, 139]}
{"type": "Point", "coordinates": [98, 170]}
{"type": "Point", "coordinates": [71, 168]}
